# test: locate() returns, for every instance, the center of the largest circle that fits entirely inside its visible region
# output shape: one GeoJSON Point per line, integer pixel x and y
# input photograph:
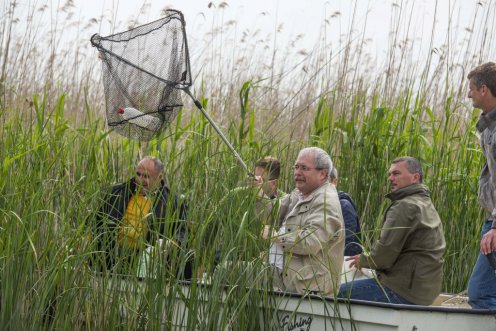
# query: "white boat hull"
{"type": "Point", "coordinates": [295, 312]}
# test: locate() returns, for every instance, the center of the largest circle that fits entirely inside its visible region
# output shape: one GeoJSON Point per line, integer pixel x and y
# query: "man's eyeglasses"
{"type": "Point", "coordinates": [303, 168]}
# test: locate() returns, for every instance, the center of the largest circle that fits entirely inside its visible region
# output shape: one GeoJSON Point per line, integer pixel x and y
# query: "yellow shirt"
{"type": "Point", "coordinates": [134, 226]}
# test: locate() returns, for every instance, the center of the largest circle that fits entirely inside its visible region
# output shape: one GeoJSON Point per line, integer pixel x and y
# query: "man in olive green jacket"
{"type": "Point", "coordinates": [408, 257]}
{"type": "Point", "coordinates": [312, 234]}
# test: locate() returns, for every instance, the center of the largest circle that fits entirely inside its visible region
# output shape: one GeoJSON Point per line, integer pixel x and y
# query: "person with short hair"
{"type": "Point", "coordinates": [137, 213]}
{"type": "Point", "coordinates": [482, 91]}
{"type": "Point", "coordinates": [244, 213]}
{"type": "Point", "coordinates": [263, 187]}
{"type": "Point", "coordinates": [408, 256]}
{"type": "Point", "coordinates": [350, 216]}
{"type": "Point", "coordinates": [252, 206]}
{"type": "Point", "coordinates": [312, 233]}
{"type": "Point", "coordinates": [267, 172]}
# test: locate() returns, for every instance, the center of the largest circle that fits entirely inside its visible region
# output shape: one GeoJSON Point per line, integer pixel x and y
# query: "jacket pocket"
{"type": "Point", "coordinates": [304, 268]}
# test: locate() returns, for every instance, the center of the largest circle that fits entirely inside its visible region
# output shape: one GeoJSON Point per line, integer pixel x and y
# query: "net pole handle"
{"type": "Point", "coordinates": [236, 155]}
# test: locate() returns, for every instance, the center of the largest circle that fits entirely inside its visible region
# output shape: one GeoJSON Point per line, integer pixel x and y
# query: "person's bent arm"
{"type": "Point", "coordinates": [488, 242]}
{"type": "Point", "coordinates": [394, 234]}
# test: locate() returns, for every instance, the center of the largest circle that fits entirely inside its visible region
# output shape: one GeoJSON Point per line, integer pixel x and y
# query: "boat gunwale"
{"type": "Point", "coordinates": [374, 304]}
{"type": "Point", "coordinates": [346, 301]}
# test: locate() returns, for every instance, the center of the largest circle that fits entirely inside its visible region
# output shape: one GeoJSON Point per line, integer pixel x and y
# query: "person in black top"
{"type": "Point", "coordinates": [135, 214]}
{"type": "Point", "coordinates": [351, 220]}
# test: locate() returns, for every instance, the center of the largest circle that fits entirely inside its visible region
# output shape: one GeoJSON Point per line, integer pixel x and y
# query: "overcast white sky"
{"type": "Point", "coordinates": [292, 17]}
{"type": "Point", "coordinates": [369, 20]}
{"type": "Point", "coordinates": [295, 16]}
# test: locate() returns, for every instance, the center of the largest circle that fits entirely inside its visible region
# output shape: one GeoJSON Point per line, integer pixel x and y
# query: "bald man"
{"type": "Point", "coordinates": [136, 214]}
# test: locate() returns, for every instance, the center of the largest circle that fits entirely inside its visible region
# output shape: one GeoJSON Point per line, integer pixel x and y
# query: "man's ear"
{"type": "Point", "coordinates": [324, 175]}
{"type": "Point", "coordinates": [483, 89]}
{"type": "Point", "coordinates": [416, 177]}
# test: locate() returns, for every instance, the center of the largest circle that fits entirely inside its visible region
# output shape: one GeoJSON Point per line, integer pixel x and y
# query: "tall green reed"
{"type": "Point", "coordinates": [56, 175]}
{"type": "Point", "coordinates": [58, 160]}
{"type": "Point", "coordinates": [447, 146]}
{"type": "Point", "coordinates": [56, 178]}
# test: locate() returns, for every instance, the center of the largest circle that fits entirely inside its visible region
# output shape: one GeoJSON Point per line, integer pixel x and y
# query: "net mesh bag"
{"type": "Point", "coordinates": [144, 71]}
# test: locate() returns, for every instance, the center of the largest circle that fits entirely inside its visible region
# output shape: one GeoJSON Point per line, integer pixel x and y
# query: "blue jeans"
{"type": "Point", "coordinates": [482, 283]}
{"type": "Point", "coordinates": [370, 290]}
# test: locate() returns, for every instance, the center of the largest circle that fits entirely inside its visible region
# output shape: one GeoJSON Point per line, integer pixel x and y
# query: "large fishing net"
{"type": "Point", "coordinates": [144, 70]}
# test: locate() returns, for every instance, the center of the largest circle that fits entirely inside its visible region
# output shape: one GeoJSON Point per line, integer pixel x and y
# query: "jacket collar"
{"type": "Point", "coordinates": [308, 199]}
{"type": "Point", "coordinates": [407, 191]}
{"type": "Point", "coordinates": [276, 194]}
{"type": "Point", "coordinates": [313, 193]}
{"type": "Point", "coordinates": [345, 196]}
{"type": "Point", "coordinates": [486, 120]}
{"type": "Point", "coordinates": [133, 187]}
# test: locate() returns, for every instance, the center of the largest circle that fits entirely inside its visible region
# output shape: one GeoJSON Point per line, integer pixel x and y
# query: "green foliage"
{"type": "Point", "coordinates": [446, 144]}
{"type": "Point", "coordinates": [58, 159]}
{"type": "Point", "coordinates": [54, 175]}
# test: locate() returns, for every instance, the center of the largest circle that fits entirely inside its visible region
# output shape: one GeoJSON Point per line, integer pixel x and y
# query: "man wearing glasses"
{"type": "Point", "coordinates": [254, 207]}
{"type": "Point", "coordinates": [312, 233]}
{"type": "Point", "coordinates": [267, 171]}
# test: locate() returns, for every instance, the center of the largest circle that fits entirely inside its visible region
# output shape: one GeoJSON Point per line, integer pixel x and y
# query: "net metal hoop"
{"type": "Point", "coordinates": [153, 102]}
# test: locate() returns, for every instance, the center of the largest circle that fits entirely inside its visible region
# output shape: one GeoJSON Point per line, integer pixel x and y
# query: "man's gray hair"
{"type": "Point", "coordinates": [159, 166]}
{"type": "Point", "coordinates": [321, 159]}
{"type": "Point", "coordinates": [334, 173]}
{"type": "Point", "coordinates": [412, 164]}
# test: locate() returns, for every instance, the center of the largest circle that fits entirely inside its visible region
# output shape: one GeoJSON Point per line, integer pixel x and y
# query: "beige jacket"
{"type": "Point", "coordinates": [312, 241]}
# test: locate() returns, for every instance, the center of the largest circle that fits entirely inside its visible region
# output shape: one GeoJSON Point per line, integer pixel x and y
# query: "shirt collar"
{"type": "Point", "coordinates": [274, 195]}
{"type": "Point", "coordinates": [486, 120]}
